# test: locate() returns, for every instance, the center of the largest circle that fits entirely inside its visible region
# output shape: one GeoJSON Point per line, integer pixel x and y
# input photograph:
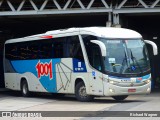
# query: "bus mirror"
{"type": "Point", "coordinates": [101, 45]}
{"type": "Point", "coordinates": [154, 46]}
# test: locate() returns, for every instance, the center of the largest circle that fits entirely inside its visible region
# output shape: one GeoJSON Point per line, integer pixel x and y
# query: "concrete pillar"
{"type": "Point", "coordinates": [109, 22]}
{"type": "Point", "coordinates": [116, 21]}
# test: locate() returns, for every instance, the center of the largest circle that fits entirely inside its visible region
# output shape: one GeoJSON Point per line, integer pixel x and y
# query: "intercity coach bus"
{"type": "Point", "coordinates": [87, 62]}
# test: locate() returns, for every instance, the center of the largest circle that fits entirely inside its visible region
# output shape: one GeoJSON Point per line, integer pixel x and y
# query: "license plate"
{"type": "Point", "coordinates": [131, 90]}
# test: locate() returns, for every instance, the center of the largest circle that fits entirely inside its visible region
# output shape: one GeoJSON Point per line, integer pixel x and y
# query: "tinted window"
{"type": "Point", "coordinates": [64, 47]}
{"type": "Point", "coordinates": [58, 47]}
{"type": "Point", "coordinates": [11, 51]}
{"type": "Point", "coordinates": [74, 49]}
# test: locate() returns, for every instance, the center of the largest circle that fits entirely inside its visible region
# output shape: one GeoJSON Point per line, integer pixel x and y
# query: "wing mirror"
{"type": "Point", "coordinates": [154, 46]}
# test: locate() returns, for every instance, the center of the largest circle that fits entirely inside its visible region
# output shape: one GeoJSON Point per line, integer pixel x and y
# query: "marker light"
{"type": "Point", "coordinates": [47, 36]}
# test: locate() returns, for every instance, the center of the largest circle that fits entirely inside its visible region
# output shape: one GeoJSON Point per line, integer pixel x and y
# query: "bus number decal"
{"type": "Point", "coordinates": [44, 69]}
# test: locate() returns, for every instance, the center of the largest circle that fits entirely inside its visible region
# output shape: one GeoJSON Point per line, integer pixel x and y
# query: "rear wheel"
{"type": "Point", "coordinates": [120, 98]}
{"type": "Point", "coordinates": [81, 93]}
{"type": "Point", "coordinates": [24, 89]}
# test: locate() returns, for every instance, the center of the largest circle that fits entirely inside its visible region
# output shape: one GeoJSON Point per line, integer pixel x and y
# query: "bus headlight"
{"type": "Point", "coordinates": [147, 81]}
{"type": "Point", "coordinates": [112, 82]}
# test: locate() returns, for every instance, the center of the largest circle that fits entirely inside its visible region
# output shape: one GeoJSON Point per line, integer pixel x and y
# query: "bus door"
{"type": "Point", "coordinates": [95, 59]}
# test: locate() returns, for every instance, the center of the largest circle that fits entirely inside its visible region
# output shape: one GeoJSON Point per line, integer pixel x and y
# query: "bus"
{"type": "Point", "coordinates": [86, 62]}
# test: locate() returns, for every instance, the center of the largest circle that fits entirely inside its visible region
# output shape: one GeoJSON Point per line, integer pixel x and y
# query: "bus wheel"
{"type": "Point", "coordinates": [24, 89]}
{"type": "Point", "coordinates": [120, 98]}
{"type": "Point", "coordinates": [80, 92]}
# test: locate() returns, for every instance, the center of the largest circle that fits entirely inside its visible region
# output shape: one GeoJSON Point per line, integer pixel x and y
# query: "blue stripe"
{"type": "Point", "coordinates": [23, 66]}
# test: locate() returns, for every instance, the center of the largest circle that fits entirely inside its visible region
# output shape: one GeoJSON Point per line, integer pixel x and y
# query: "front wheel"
{"type": "Point", "coordinates": [120, 98]}
{"type": "Point", "coordinates": [81, 93]}
{"type": "Point", "coordinates": [24, 89]}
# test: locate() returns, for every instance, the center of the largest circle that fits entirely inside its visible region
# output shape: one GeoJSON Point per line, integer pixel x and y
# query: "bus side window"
{"type": "Point", "coordinates": [33, 51]}
{"type": "Point", "coordinates": [45, 49]}
{"type": "Point", "coordinates": [11, 51]}
{"type": "Point", "coordinates": [75, 50]}
{"type": "Point", "coordinates": [58, 48]}
{"type": "Point", "coordinates": [23, 51]}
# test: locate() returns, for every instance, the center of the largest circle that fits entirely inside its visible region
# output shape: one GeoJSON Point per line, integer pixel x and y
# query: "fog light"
{"type": "Point", "coordinates": [111, 90]}
{"type": "Point", "coordinates": [148, 89]}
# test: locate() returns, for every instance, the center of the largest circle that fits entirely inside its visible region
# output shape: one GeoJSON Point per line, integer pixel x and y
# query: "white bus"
{"type": "Point", "coordinates": [87, 62]}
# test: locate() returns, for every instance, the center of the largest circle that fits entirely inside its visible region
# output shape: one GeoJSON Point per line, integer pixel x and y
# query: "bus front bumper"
{"type": "Point", "coordinates": [113, 90]}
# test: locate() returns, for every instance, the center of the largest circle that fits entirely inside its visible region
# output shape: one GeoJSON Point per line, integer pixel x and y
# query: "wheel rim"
{"type": "Point", "coordinates": [24, 89]}
{"type": "Point", "coordinates": [82, 92]}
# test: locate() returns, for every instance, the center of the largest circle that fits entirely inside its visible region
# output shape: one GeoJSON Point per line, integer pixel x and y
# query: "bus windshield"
{"type": "Point", "coordinates": [125, 56]}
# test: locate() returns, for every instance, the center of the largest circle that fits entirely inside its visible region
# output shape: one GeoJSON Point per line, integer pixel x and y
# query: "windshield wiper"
{"type": "Point", "coordinates": [124, 62]}
{"type": "Point", "coordinates": [134, 59]}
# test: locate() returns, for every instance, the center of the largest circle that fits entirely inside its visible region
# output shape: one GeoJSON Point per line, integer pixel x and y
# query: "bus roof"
{"type": "Point", "coordinates": [112, 32]}
{"type": "Point", "coordinates": [107, 32]}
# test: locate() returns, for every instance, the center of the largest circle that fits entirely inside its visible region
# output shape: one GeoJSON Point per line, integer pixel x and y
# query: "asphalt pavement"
{"type": "Point", "coordinates": [68, 107]}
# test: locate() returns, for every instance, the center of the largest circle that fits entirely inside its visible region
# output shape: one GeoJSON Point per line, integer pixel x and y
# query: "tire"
{"type": "Point", "coordinates": [24, 89]}
{"type": "Point", "coordinates": [80, 92]}
{"type": "Point", "coordinates": [120, 98]}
